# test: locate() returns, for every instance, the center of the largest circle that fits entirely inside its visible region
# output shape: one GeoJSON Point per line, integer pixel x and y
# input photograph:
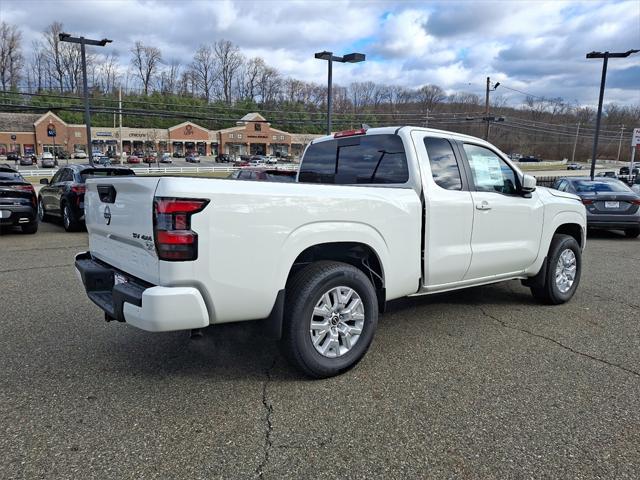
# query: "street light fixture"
{"type": "Point", "coordinates": [330, 57]}
{"type": "Point", "coordinates": [606, 56]}
{"type": "Point", "coordinates": [66, 37]}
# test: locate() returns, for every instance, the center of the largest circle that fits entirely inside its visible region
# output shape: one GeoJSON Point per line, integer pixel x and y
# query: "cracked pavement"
{"type": "Point", "coordinates": [480, 383]}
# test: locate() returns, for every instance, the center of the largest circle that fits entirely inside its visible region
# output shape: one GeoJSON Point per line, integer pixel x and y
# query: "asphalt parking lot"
{"type": "Point", "coordinates": [482, 383]}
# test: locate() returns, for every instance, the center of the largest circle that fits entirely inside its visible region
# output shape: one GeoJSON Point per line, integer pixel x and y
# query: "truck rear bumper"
{"type": "Point", "coordinates": [148, 307]}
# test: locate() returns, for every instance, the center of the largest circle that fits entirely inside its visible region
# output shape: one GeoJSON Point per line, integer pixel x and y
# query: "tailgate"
{"type": "Point", "coordinates": [119, 218]}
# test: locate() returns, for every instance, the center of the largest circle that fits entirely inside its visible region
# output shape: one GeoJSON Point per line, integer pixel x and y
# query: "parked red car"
{"type": "Point", "coordinates": [133, 159]}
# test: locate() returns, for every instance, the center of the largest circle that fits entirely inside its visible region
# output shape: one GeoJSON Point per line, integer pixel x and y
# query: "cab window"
{"type": "Point", "coordinates": [368, 159]}
{"type": "Point", "coordinates": [444, 166]}
{"type": "Point", "coordinates": [490, 172]}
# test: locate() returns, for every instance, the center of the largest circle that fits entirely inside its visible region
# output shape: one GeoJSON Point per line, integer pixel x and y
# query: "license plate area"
{"type": "Point", "coordinates": [611, 204]}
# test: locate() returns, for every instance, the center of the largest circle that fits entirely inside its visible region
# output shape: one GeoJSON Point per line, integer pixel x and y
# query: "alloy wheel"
{"type": "Point", "coordinates": [337, 322]}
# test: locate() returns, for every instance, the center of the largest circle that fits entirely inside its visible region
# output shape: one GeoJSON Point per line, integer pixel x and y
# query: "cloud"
{"type": "Point", "coordinates": [538, 47]}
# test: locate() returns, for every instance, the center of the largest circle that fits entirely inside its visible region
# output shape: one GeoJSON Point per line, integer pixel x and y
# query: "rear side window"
{"type": "Point", "coordinates": [444, 167]}
{"type": "Point", "coordinates": [10, 175]}
{"type": "Point", "coordinates": [372, 159]}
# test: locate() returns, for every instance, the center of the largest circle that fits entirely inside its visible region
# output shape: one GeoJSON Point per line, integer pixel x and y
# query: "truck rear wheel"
{"type": "Point", "coordinates": [564, 266]}
{"type": "Point", "coordinates": [331, 313]}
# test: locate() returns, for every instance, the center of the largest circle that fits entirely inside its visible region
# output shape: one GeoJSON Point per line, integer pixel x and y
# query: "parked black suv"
{"type": "Point", "coordinates": [18, 202]}
{"type": "Point", "coordinates": [223, 158]}
{"type": "Point", "coordinates": [63, 196]}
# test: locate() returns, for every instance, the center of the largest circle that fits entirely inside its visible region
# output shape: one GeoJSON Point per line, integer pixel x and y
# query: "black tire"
{"type": "Point", "coordinates": [30, 228]}
{"type": "Point", "coordinates": [550, 292]}
{"type": "Point", "coordinates": [69, 221]}
{"type": "Point", "coordinates": [303, 292]}
{"type": "Point", "coordinates": [42, 213]}
{"type": "Point", "coordinates": [632, 232]}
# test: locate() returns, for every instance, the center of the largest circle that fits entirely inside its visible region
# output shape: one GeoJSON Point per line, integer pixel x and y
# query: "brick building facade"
{"type": "Point", "coordinates": [26, 133]}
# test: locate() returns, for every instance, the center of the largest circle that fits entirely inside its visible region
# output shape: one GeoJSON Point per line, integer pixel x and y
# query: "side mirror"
{"type": "Point", "coordinates": [44, 181]}
{"type": "Point", "coordinates": [528, 183]}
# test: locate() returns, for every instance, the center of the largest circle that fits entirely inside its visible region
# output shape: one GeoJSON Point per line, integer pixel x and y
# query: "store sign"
{"type": "Point", "coordinates": [51, 130]}
{"type": "Point", "coordinates": [13, 137]}
{"type": "Point", "coordinates": [137, 135]}
{"type": "Point", "coordinates": [635, 138]}
{"type": "Point", "coordinates": [103, 134]}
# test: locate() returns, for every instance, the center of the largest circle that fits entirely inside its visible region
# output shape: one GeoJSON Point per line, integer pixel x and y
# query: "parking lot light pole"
{"type": "Point", "coordinates": [66, 37]}
{"type": "Point", "coordinates": [330, 57]}
{"type": "Point", "coordinates": [605, 56]}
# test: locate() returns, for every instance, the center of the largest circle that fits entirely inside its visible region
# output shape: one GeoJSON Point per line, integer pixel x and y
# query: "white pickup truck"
{"type": "Point", "coordinates": [375, 215]}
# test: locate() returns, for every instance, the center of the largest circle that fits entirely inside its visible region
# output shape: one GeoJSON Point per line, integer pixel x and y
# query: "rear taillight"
{"type": "Point", "coordinates": [175, 241]}
{"type": "Point", "coordinates": [587, 201]}
{"type": "Point", "coordinates": [23, 188]}
{"type": "Point", "coordinates": [636, 202]}
{"type": "Point", "coordinates": [78, 188]}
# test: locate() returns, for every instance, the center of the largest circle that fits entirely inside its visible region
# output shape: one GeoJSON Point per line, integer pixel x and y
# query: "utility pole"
{"type": "Point", "coordinates": [620, 143]}
{"type": "Point", "coordinates": [120, 120]}
{"type": "Point", "coordinates": [575, 144]}
{"type": "Point", "coordinates": [486, 109]}
{"type": "Point", "coordinates": [605, 56]}
{"type": "Point", "coordinates": [486, 106]}
{"type": "Point", "coordinates": [66, 37]}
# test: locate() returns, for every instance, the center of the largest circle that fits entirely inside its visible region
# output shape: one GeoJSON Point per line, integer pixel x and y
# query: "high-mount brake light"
{"type": "Point", "coordinates": [175, 241]}
{"type": "Point", "coordinates": [350, 133]}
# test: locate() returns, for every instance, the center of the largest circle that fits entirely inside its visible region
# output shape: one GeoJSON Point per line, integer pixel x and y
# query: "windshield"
{"type": "Point", "coordinates": [105, 173]}
{"type": "Point", "coordinates": [595, 186]}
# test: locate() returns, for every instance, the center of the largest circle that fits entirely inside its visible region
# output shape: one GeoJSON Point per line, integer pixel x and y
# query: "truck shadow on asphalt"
{"type": "Point", "coordinates": [241, 350]}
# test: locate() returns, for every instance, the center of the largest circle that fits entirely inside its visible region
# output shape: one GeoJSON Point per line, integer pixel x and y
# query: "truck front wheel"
{"type": "Point", "coordinates": [563, 271]}
{"type": "Point", "coordinates": [331, 313]}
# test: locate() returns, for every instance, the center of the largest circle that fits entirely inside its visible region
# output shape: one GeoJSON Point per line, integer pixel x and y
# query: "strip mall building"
{"type": "Point", "coordinates": [27, 133]}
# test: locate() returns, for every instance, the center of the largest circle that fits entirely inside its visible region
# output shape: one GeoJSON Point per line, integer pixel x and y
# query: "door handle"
{"type": "Point", "coordinates": [483, 205]}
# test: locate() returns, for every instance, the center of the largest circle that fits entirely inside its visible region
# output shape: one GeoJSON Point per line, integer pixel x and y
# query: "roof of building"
{"type": "Point", "coordinates": [253, 117]}
{"type": "Point", "coordinates": [18, 122]}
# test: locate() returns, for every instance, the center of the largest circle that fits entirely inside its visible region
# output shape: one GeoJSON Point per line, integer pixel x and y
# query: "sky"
{"type": "Point", "coordinates": [536, 47]}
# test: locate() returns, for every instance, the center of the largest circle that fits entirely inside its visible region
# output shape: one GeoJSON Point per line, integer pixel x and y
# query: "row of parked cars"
{"type": "Point", "coordinates": [609, 202]}
{"type": "Point", "coordinates": [62, 197]}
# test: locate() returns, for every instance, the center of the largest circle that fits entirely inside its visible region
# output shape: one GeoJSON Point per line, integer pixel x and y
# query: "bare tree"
{"type": "Point", "coordinates": [430, 96]}
{"type": "Point", "coordinates": [229, 60]}
{"type": "Point", "coordinates": [169, 78]}
{"type": "Point", "coordinates": [204, 70]}
{"type": "Point", "coordinates": [249, 78]}
{"type": "Point", "coordinates": [53, 55]}
{"type": "Point", "coordinates": [11, 59]}
{"type": "Point", "coordinates": [108, 73]}
{"type": "Point", "coordinates": [269, 84]}
{"type": "Point", "coordinates": [36, 68]}
{"type": "Point", "coordinates": [145, 61]}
